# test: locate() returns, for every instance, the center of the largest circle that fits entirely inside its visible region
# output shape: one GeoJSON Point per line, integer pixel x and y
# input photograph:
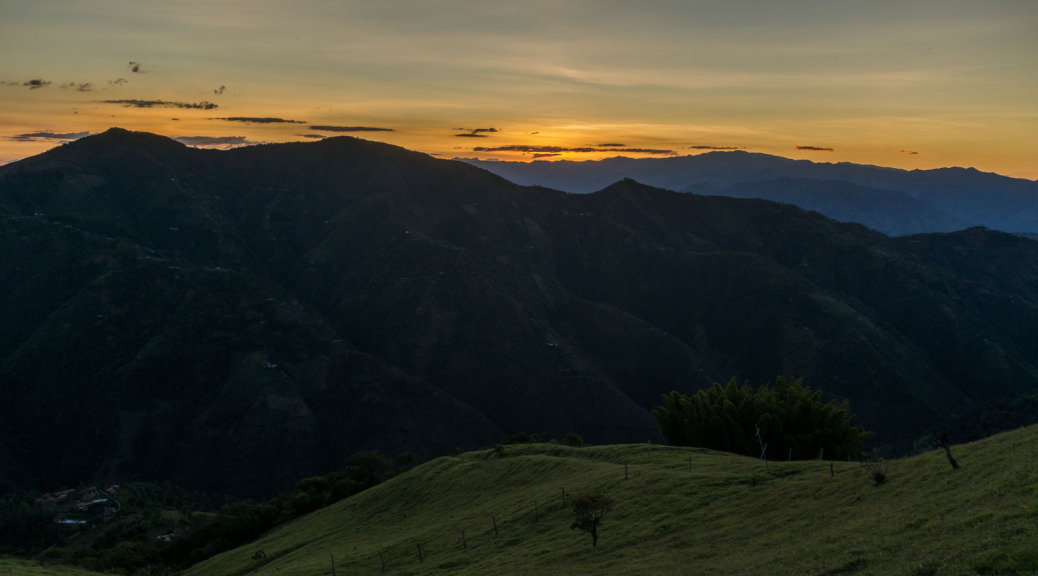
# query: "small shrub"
{"type": "Point", "coordinates": [876, 470]}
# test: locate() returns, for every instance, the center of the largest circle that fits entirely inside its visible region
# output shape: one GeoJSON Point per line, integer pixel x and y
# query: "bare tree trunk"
{"type": "Point", "coordinates": [941, 440]}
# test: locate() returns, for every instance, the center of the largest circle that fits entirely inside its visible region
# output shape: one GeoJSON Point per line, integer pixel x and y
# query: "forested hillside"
{"type": "Point", "coordinates": [235, 320]}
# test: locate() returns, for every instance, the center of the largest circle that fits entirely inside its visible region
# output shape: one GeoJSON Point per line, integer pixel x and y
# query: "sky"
{"type": "Point", "coordinates": [900, 83]}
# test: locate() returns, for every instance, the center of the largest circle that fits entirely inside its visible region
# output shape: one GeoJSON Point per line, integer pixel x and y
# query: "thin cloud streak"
{"type": "Point", "coordinates": [350, 129]}
{"type": "Point", "coordinates": [475, 132]}
{"type": "Point", "coordinates": [203, 105]}
{"type": "Point", "coordinates": [815, 148]}
{"type": "Point", "coordinates": [259, 120]}
{"type": "Point", "coordinates": [563, 149]}
{"type": "Point", "coordinates": [34, 84]}
{"type": "Point", "coordinates": [48, 136]}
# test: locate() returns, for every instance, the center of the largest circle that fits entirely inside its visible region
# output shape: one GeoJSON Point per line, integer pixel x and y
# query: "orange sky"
{"type": "Point", "coordinates": [907, 83]}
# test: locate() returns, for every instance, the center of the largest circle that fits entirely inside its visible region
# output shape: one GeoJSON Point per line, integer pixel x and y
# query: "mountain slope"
{"type": "Point", "coordinates": [233, 321]}
{"type": "Point", "coordinates": [892, 213]}
{"type": "Point", "coordinates": [938, 200]}
{"type": "Point", "coordinates": [476, 514]}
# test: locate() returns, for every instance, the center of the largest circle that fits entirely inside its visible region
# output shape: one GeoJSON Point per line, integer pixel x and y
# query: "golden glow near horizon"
{"type": "Point", "coordinates": [901, 83]}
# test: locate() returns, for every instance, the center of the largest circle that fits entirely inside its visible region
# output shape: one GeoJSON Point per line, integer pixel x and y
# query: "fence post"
{"type": "Point", "coordinates": [333, 564]}
{"type": "Point", "coordinates": [494, 518]}
{"type": "Point", "coordinates": [420, 559]}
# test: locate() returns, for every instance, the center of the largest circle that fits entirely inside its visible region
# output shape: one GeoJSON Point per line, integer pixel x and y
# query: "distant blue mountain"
{"type": "Point", "coordinates": [890, 200]}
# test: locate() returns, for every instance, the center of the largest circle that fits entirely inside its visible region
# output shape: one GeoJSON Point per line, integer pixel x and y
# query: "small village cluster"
{"type": "Point", "coordinates": [73, 505]}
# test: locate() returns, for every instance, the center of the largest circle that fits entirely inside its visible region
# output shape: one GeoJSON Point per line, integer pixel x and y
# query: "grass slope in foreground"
{"type": "Point", "coordinates": [22, 567]}
{"type": "Point", "coordinates": [725, 516]}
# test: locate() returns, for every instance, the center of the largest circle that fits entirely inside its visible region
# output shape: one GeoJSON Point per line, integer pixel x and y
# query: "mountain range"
{"type": "Point", "coordinates": [895, 202]}
{"type": "Point", "coordinates": [232, 321]}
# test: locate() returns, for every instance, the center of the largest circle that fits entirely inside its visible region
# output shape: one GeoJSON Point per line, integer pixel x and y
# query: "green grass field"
{"type": "Point", "coordinates": [726, 515]}
{"type": "Point", "coordinates": [20, 567]}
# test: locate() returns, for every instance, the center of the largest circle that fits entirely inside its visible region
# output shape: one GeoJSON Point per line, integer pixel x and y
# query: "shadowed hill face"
{"type": "Point", "coordinates": [236, 320]}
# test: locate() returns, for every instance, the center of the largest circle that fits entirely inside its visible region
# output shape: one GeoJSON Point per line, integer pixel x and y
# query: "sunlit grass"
{"type": "Point", "coordinates": [726, 515]}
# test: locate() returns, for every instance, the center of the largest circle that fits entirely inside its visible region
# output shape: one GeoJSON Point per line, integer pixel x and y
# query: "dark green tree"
{"type": "Point", "coordinates": [572, 439]}
{"type": "Point", "coordinates": [790, 417]}
{"type": "Point", "coordinates": [368, 468]}
{"type": "Point", "coordinates": [588, 511]}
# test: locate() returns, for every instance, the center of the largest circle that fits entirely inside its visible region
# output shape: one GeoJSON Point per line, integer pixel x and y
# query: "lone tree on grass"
{"type": "Point", "coordinates": [940, 440]}
{"type": "Point", "coordinates": [588, 510]}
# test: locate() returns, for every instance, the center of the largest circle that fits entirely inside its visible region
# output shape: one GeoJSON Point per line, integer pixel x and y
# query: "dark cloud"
{"type": "Point", "coordinates": [136, 67]}
{"type": "Point", "coordinates": [312, 136]}
{"type": "Point", "coordinates": [708, 147]}
{"type": "Point", "coordinates": [350, 129]}
{"type": "Point", "coordinates": [254, 120]}
{"type": "Point", "coordinates": [212, 140]}
{"type": "Point", "coordinates": [203, 105]}
{"type": "Point", "coordinates": [30, 84]}
{"type": "Point", "coordinates": [545, 155]}
{"type": "Point", "coordinates": [84, 87]}
{"type": "Point", "coordinates": [612, 145]}
{"type": "Point", "coordinates": [219, 90]}
{"type": "Point", "coordinates": [47, 136]}
{"type": "Point", "coordinates": [118, 81]}
{"type": "Point", "coordinates": [535, 149]}
{"type": "Point", "coordinates": [656, 151]}
{"type": "Point", "coordinates": [814, 148]}
{"type": "Point", "coordinates": [561, 149]}
{"type": "Point", "coordinates": [909, 152]}
{"type": "Point", "coordinates": [475, 132]}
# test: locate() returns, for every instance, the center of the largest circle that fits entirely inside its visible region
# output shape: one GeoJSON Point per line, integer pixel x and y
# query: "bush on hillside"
{"type": "Point", "coordinates": [789, 418]}
{"type": "Point", "coordinates": [573, 439]}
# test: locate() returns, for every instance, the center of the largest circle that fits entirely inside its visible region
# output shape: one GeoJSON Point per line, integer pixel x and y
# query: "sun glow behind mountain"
{"type": "Point", "coordinates": [884, 84]}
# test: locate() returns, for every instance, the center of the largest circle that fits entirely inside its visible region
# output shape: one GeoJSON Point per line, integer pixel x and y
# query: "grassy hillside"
{"type": "Point", "coordinates": [726, 515]}
{"type": "Point", "coordinates": [20, 567]}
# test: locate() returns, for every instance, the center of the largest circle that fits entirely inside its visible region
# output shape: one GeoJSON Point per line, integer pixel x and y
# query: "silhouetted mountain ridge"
{"type": "Point", "coordinates": [235, 320]}
{"type": "Point", "coordinates": [938, 200]}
